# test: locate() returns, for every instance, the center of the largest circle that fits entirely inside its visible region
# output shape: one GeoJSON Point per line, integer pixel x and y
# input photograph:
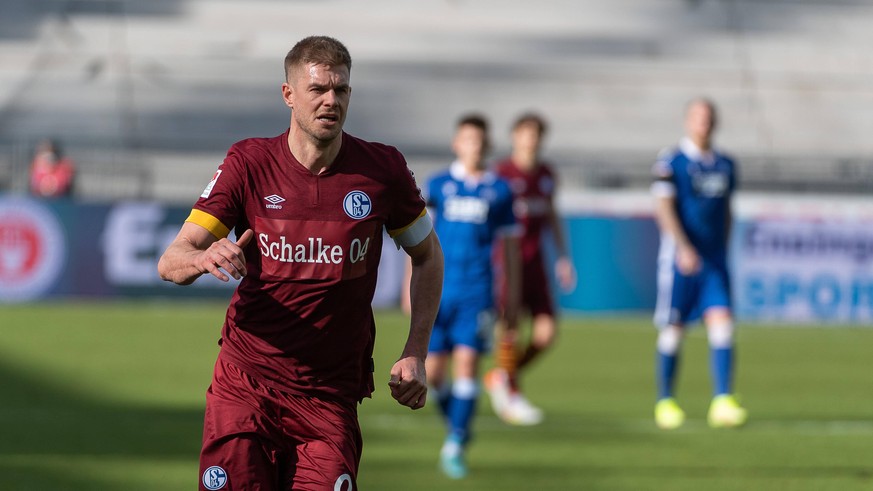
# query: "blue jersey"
{"type": "Point", "coordinates": [702, 184]}
{"type": "Point", "coordinates": [469, 214]}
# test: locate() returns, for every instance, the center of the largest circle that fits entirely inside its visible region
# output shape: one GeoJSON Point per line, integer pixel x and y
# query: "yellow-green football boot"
{"type": "Point", "coordinates": [668, 414]}
{"type": "Point", "coordinates": [726, 412]}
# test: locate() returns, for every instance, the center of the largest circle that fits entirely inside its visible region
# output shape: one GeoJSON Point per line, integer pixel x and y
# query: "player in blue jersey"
{"type": "Point", "coordinates": [693, 187]}
{"type": "Point", "coordinates": [472, 208]}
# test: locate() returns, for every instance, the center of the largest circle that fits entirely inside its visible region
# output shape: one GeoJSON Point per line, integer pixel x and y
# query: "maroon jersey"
{"type": "Point", "coordinates": [533, 194]}
{"type": "Point", "coordinates": [301, 319]}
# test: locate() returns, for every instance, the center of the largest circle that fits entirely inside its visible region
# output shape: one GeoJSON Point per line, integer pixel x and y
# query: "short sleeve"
{"type": "Point", "coordinates": [505, 222]}
{"type": "Point", "coordinates": [408, 222]}
{"type": "Point", "coordinates": [219, 206]}
{"type": "Point", "coordinates": [663, 185]}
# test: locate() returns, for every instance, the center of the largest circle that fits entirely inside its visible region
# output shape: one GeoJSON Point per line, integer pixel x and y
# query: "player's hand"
{"type": "Point", "coordinates": [565, 273]}
{"type": "Point", "coordinates": [687, 260]}
{"type": "Point", "coordinates": [225, 255]}
{"type": "Point", "coordinates": [409, 382]}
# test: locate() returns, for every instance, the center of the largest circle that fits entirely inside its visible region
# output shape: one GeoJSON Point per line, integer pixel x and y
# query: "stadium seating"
{"type": "Point", "coordinates": [147, 99]}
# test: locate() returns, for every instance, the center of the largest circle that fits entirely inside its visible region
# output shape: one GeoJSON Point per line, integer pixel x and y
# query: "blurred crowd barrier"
{"type": "Point", "coordinates": [794, 259]}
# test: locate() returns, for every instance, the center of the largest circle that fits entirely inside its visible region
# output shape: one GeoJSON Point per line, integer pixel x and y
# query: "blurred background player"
{"type": "Point", "coordinates": [52, 175]}
{"type": "Point", "coordinates": [533, 186]}
{"type": "Point", "coordinates": [693, 187]}
{"type": "Point", "coordinates": [472, 209]}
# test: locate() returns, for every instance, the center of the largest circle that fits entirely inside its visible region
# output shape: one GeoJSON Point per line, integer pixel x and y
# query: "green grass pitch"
{"type": "Point", "coordinates": [110, 397]}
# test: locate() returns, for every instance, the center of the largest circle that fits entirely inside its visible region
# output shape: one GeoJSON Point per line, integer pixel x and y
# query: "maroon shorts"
{"type": "Point", "coordinates": [259, 438]}
{"type": "Point", "coordinates": [536, 296]}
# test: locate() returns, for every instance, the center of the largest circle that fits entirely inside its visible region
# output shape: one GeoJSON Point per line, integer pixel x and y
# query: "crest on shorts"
{"type": "Point", "coordinates": [214, 478]}
{"type": "Point", "coordinates": [357, 205]}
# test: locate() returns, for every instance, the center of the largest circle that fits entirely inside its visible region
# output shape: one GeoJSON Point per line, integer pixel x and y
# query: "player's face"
{"type": "Point", "coordinates": [526, 138]}
{"type": "Point", "coordinates": [700, 122]}
{"type": "Point", "coordinates": [470, 145]}
{"type": "Point", "coordinates": [319, 98]}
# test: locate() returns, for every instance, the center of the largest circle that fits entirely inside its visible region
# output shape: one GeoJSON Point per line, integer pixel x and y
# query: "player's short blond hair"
{"type": "Point", "coordinates": [322, 50]}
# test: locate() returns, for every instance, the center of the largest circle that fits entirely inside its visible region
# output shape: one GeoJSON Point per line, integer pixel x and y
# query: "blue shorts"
{"type": "Point", "coordinates": [683, 299]}
{"type": "Point", "coordinates": [464, 322]}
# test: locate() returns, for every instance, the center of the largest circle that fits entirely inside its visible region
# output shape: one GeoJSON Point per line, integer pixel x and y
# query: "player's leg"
{"type": "Point", "coordinates": [239, 441]}
{"type": "Point", "coordinates": [668, 414]}
{"type": "Point", "coordinates": [543, 335]}
{"type": "Point", "coordinates": [669, 344]}
{"type": "Point", "coordinates": [461, 408]}
{"type": "Point", "coordinates": [724, 411]}
{"type": "Point", "coordinates": [537, 297]}
{"type": "Point", "coordinates": [675, 299]}
{"type": "Point", "coordinates": [501, 381]}
{"type": "Point", "coordinates": [720, 333]}
{"type": "Point", "coordinates": [503, 376]}
{"type": "Point", "coordinates": [465, 390]}
{"type": "Point", "coordinates": [436, 364]}
{"type": "Point", "coordinates": [329, 444]}
{"type": "Point", "coordinates": [498, 380]}
{"type": "Point", "coordinates": [518, 409]}
{"type": "Point", "coordinates": [236, 462]}
{"type": "Point", "coordinates": [471, 335]}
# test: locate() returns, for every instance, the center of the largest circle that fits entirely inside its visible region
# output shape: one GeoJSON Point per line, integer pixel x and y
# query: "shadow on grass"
{"type": "Point", "coordinates": [45, 428]}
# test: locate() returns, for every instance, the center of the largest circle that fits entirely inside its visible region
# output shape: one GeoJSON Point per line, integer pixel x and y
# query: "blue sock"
{"type": "Point", "coordinates": [461, 407]}
{"type": "Point", "coordinates": [666, 374]}
{"type": "Point", "coordinates": [722, 365]}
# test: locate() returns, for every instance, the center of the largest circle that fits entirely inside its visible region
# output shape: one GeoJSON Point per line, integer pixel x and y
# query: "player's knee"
{"type": "Point", "coordinates": [465, 388]}
{"type": "Point", "coordinates": [669, 340]}
{"type": "Point", "coordinates": [544, 334]}
{"type": "Point", "coordinates": [721, 334]}
{"type": "Point", "coordinates": [543, 340]}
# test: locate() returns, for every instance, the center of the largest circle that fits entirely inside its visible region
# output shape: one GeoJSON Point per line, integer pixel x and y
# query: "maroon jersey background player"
{"type": "Point", "coordinates": [533, 187]}
{"type": "Point", "coordinates": [308, 207]}
{"type": "Point", "coordinates": [533, 193]}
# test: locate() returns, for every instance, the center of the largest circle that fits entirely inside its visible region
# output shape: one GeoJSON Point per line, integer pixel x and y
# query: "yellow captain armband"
{"type": "Point", "coordinates": [209, 222]}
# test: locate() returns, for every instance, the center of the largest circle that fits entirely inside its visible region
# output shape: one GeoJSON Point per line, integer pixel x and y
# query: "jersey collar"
{"type": "Point", "coordinates": [459, 173]}
{"type": "Point", "coordinates": [693, 152]}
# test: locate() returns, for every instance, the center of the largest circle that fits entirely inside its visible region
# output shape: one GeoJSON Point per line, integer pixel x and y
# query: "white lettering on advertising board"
{"type": "Point", "coordinates": [135, 236]}
{"type": "Point", "coordinates": [805, 270]}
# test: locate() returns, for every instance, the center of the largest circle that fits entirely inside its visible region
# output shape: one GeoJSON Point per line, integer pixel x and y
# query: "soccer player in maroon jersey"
{"type": "Point", "coordinates": [308, 208]}
{"type": "Point", "coordinates": [533, 186]}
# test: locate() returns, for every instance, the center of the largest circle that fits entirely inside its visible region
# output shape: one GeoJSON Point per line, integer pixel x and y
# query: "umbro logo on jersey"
{"type": "Point", "coordinates": [274, 200]}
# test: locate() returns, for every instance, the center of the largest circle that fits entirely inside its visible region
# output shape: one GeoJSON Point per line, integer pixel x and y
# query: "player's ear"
{"type": "Point", "coordinates": [288, 94]}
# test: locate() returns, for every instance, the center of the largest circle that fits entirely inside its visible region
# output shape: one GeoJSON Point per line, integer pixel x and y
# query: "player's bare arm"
{"type": "Point", "coordinates": [687, 258]}
{"type": "Point", "coordinates": [564, 270]}
{"type": "Point", "coordinates": [408, 377]}
{"type": "Point", "coordinates": [195, 252]}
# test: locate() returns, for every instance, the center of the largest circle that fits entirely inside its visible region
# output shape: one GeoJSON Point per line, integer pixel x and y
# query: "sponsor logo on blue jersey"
{"type": "Point", "coordinates": [710, 184]}
{"type": "Point", "coordinates": [467, 209]}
